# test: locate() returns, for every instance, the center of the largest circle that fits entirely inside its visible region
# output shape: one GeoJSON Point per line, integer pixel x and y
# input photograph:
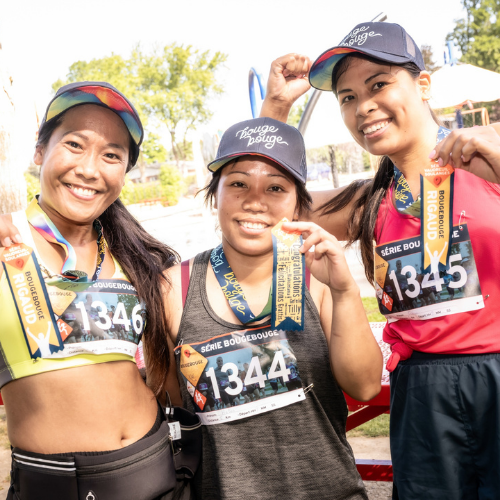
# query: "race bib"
{"type": "Point", "coordinates": [106, 318]}
{"type": "Point", "coordinates": [404, 291]}
{"type": "Point", "coordinates": [240, 374]}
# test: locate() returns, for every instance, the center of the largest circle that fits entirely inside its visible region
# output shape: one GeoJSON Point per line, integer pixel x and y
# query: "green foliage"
{"type": "Point", "coordinates": [32, 185]}
{"type": "Point", "coordinates": [171, 183]}
{"type": "Point", "coordinates": [478, 35]}
{"type": "Point", "coordinates": [296, 112]}
{"type": "Point", "coordinates": [377, 427]}
{"type": "Point", "coordinates": [140, 192]}
{"type": "Point", "coordinates": [372, 311]}
{"type": "Point", "coordinates": [172, 86]}
{"type": "Point", "coordinates": [153, 150]}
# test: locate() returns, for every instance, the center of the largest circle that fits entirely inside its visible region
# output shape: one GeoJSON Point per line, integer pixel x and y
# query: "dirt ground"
{"type": "Point", "coordinates": [375, 449]}
{"type": "Point", "coordinates": [363, 447]}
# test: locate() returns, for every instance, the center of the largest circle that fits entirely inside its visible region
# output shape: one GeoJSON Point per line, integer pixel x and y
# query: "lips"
{"type": "Point", "coordinates": [371, 129]}
{"type": "Point", "coordinates": [84, 192]}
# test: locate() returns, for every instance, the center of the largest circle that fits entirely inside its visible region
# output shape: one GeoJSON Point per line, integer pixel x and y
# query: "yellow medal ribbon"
{"type": "Point", "coordinates": [33, 306]}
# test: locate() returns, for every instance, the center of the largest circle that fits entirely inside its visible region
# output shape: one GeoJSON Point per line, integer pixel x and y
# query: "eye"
{"type": "Point", "coordinates": [237, 184]}
{"type": "Point", "coordinates": [379, 85]}
{"type": "Point", "coordinates": [112, 156]}
{"type": "Point", "coordinates": [347, 98]}
{"type": "Point", "coordinates": [276, 189]}
{"type": "Point", "coordinates": [73, 144]}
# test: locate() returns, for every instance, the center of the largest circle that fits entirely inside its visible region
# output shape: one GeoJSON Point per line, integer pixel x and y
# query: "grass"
{"type": "Point", "coordinates": [371, 308]}
{"type": "Point", "coordinates": [378, 427]}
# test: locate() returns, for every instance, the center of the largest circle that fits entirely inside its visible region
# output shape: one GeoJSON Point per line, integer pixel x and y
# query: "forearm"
{"type": "Point", "coordinates": [355, 356]}
{"type": "Point", "coordinates": [273, 109]}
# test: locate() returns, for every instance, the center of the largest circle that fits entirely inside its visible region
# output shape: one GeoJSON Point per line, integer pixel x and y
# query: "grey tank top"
{"type": "Point", "coordinates": [299, 451]}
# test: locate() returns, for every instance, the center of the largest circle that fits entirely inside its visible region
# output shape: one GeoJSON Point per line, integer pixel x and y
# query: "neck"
{"type": "Point", "coordinates": [249, 269]}
{"type": "Point", "coordinates": [77, 234]}
{"type": "Point", "coordinates": [412, 160]}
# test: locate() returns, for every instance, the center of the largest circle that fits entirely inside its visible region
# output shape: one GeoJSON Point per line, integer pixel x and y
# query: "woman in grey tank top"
{"type": "Point", "coordinates": [271, 400]}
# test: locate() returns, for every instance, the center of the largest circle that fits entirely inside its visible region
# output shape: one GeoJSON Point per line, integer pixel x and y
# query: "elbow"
{"type": "Point", "coordinates": [367, 392]}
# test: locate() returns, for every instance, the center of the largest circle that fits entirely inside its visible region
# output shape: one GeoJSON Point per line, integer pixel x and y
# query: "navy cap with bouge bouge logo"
{"type": "Point", "coordinates": [387, 42]}
{"type": "Point", "coordinates": [264, 137]}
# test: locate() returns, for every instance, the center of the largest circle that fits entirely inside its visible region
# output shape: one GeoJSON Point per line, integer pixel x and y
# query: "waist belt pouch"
{"type": "Point", "coordinates": [35, 477]}
{"type": "Point", "coordinates": [142, 471]}
{"type": "Point", "coordinates": [187, 449]}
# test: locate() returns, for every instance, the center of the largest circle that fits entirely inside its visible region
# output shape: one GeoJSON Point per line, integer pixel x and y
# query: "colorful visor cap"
{"type": "Point", "coordinates": [101, 94]}
{"type": "Point", "coordinates": [383, 41]}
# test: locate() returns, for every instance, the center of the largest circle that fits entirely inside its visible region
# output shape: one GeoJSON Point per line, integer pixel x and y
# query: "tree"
{"type": "Point", "coordinates": [430, 64]}
{"type": "Point", "coordinates": [12, 184]}
{"type": "Point", "coordinates": [171, 183]}
{"type": "Point", "coordinates": [172, 86]}
{"type": "Point", "coordinates": [478, 35]}
{"type": "Point", "coordinates": [297, 111]}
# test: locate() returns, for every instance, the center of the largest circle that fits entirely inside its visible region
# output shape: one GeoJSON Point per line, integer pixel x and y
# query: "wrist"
{"type": "Point", "coordinates": [350, 292]}
{"type": "Point", "coordinates": [274, 108]}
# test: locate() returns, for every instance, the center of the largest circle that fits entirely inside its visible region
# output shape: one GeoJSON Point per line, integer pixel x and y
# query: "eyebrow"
{"type": "Point", "coordinates": [85, 138]}
{"type": "Point", "coordinates": [366, 81]}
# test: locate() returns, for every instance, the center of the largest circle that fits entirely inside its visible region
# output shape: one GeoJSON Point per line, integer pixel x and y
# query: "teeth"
{"type": "Point", "coordinates": [253, 225]}
{"type": "Point", "coordinates": [375, 127]}
{"type": "Point", "coordinates": [82, 192]}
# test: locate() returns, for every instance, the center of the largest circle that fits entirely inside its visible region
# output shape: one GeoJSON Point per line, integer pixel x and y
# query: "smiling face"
{"type": "Point", "coordinates": [253, 195]}
{"type": "Point", "coordinates": [83, 165]}
{"type": "Point", "coordinates": [382, 104]}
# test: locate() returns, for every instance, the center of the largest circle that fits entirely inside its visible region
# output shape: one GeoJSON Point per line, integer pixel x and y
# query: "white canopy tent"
{"type": "Point", "coordinates": [457, 84]}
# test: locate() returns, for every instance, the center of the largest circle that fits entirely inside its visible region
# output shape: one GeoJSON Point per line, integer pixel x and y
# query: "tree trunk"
{"type": "Point", "coordinates": [333, 166]}
{"type": "Point", "coordinates": [12, 183]}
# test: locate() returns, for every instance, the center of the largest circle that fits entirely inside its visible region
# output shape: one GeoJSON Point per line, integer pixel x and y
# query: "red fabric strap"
{"type": "Point", "coordinates": [184, 280]}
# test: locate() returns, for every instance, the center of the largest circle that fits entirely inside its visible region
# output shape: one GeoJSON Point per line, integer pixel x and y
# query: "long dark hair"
{"type": "Point", "coordinates": [143, 259]}
{"type": "Point", "coordinates": [367, 194]}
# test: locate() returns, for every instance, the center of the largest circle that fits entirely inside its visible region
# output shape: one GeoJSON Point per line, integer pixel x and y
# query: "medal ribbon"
{"type": "Point", "coordinates": [232, 289]}
{"type": "Point", "coordinates": [45, 227]}
{"type": "Point", "coordinates": [434, 207]}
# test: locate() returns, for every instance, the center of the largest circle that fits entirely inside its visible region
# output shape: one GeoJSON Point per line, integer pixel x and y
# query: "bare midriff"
{"type": "Point", "coordinates": [99, 407]}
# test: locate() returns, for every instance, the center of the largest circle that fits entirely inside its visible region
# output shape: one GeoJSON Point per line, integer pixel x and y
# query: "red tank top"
{"type": "Point", "coordinates": [476, 203]}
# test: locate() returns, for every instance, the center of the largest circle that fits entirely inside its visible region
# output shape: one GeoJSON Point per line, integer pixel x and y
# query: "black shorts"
{"type": "Point", "coordinates": [142, 470]}
{"type": "Point", "coordinates": [445, 427]}
{"type": "Point", "coordinates": [274, 385]}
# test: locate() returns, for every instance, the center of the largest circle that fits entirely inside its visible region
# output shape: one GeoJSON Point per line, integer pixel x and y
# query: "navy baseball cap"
{"type": "Point", "coordinates": [101, 94]}
{"type": "Point", "coordinates": [264, 137]}
{"type": "Point", "coordinates": [387, 42]}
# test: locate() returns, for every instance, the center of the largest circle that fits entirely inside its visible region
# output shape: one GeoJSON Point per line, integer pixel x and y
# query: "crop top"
{"type": "Point", "coordinates": [100, 324]}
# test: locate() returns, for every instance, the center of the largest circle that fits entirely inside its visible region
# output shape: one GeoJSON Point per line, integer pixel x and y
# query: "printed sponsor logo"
{"type": "Point", "coordinates": [263, 133]}
{"type": "Point", "coordinates": [358, 36]}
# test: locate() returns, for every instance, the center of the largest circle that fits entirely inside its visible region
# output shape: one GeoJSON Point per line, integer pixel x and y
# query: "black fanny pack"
{"type": "Point", "coordinates": [155, 467]}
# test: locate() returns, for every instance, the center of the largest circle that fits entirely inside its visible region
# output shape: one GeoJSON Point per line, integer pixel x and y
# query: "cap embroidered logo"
{"type": "Point", "coordinates": [358, 36]}
{"type": "Point", "coordinates": [265, 134]}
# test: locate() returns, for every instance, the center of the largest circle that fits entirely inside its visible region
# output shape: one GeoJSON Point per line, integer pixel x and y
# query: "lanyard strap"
{"type": "Point", "coordinates": [232, 289]}
{"type": "Point", "coordinates": [405, 203]}
{"type": "Point", "coordinates": [45, 227]}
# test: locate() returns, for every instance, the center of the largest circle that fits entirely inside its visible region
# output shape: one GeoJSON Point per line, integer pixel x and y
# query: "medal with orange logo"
{"type": "Point", "coordinates": [33, 306]}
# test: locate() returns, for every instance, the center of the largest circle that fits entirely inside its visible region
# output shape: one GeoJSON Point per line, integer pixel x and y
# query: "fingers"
{"type": "Point", "coordinates": [9, 234]}
{"type": "Point", "coordinates": [291, 65]}
{"type": "Point", "coordinates": [315, 236]}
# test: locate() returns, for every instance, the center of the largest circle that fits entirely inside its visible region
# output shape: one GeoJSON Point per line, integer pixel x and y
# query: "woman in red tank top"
{"type": "Point", "coordinates": [436, 280]}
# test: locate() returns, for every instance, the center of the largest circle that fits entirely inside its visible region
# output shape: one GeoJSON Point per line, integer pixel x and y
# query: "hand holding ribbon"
{"type": "Point", "coordinates": [327, 262]}
{"type": "Point", "coordinates": [476, 150]}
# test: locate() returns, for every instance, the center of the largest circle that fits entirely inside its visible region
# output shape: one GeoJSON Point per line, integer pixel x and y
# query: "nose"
{"type": "Point", "coordinates": [253, 201]}
{"type": "Point", "coordinates": [88, 166]}
{"type": "Point", "coordinates": [365, 106]}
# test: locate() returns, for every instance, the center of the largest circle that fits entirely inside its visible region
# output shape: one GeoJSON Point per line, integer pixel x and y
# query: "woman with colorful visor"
{"type": "Point", "coordinates": [76, 298]}
{"type": "Point", "coordinates": [428, 234]}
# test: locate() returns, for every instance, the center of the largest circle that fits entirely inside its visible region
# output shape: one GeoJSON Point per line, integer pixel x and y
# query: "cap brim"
{"type": "Point", "coordinates": [320, 75]}
{"type": "Point", "coordinates": [101, 96]}
{"type": "Point", "coordinates": [217, 164]}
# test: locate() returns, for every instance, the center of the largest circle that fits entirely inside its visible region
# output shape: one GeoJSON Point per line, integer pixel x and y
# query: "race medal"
{"type": "Point", "coordinates": [60, 299]}
{"type": "Point", "coordinates": [436, 186]}
{"type": "Point", "coordinates": [240, 374]}
{"type": "Point", "coordinates": [33, 306]}
{"type": "Point", "coordinates": [411, 293]}
{"type": "Point", "coordinates": [288, 280]}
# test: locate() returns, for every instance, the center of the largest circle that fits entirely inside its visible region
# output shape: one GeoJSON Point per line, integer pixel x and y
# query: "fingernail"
{"type": "Point", "coordinates": [6, 242]}
{"type": "Point", "coordinates": [440, 162]}
{"type": "Point", "coordinates": [17, 238]}
{"type": "Point", "coordinates": [432, 154]}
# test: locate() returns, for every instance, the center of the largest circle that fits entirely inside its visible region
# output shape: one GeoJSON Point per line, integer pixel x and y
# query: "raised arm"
{"type": "Point", "coordinates": [355, 357]}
